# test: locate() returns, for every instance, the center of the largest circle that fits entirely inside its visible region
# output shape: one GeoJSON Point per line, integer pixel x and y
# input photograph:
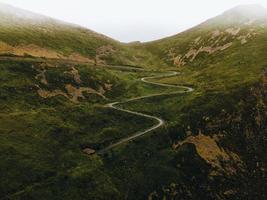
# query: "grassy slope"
{"type": "Point", "coordinates": [19, 27]}
{"type": "Point", "coordinates": [204, 35]}
{"type": "Point", "coordinates": [227, 96]}
{"type": "Point", "coordinates": [42, 138]}
{"type": "Point", "coordinates": [230, 99]}
{"type": "Point", "coordinates": [238, 115]}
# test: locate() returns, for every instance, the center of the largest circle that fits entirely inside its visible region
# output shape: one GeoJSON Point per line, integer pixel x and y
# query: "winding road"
{"type": "Point", "coordinates": [160, 122]}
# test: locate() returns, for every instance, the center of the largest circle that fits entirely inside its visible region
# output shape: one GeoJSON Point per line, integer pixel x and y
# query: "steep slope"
{"type": "Point", "coordinates": [213, 144]}
{"type": "Point", "coordinates": [24, 33]}
{"type": "Point", "coordinates": [211, 147]}
{"type": "Point", "coordinates": [236, 29]}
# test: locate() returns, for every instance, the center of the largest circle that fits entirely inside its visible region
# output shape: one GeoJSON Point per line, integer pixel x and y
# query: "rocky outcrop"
{"type": "Point", "coordinates": [221, 161]}
{"type": "Point", "coordinates": [73, 93]}
{"type": "Point", "coordinates": [216, 41]}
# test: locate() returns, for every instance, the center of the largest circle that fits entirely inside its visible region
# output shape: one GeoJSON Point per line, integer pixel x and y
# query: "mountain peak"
{"type": "Point", "coordinates": [249, 11]}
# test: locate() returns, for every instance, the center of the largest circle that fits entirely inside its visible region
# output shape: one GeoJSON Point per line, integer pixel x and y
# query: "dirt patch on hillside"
{"type": "Point", "coordinates": [193, 53]}
{"type": "Point", "coordinates": [197, 40]}
{"type": "Point", "coordinates": [31, 49]}
{"type": "Point", "coordinates": [233, 31]}
{"type": "Point", "coordinates": [5, 48]}
{"type": "Point", "coordinates": [178, 60]}
{"type": "Point", "coordinates": [74, 94]}
{"type": "Point", "coordinates": [36, 51]}
{"type": "Point", "coordinates": [207, 148]}
{"type": "Point", "coordinates": [48, 94]}
{"type": "Point", "coordinates": [244, 38]}
{"type": "Point", "coordinates": [218, 40]}
{"type": "Point", "coordinates": [215, 34]}
{"type": "Point", "coordinates": [80, 58]}
{"type": "Point", "coordinates": [76, 76]}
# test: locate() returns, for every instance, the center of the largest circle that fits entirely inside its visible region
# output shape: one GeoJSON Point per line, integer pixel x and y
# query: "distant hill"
{"type": "Point", "coordinates": [27, 33]}
{"type": "Point", "coordinates": [243, 27]}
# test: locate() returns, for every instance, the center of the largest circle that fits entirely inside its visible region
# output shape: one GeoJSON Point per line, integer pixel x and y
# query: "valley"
{"type": "Point", "coordinates": [84, 116]}
{"type": "Point", "coordinates": [160, 122]}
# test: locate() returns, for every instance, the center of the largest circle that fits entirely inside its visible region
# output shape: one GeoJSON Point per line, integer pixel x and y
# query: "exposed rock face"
{"type": "Point", "coordinates": [215, 34]}
{"type": "Point", "coordinates": [76, 93]}
{"type": "Point", "coordinates": [233, 31]}
{"type": "Point", "coordinates": [217, 40]}
{"type": "Point", "coordinates": [236, 157]}
{"type": "Point", "coordinates": [48, 94]}
{"type": "Point", "coordinates": [176, 59]}
{"type": "Point", "coordinates": [217, 157]}
{"type": "Point", "coordinates": [75, 73]}
{"type": "Point", "coordinates": [193, 53]}
{"type": "Point", "coordinates": [73, 93]}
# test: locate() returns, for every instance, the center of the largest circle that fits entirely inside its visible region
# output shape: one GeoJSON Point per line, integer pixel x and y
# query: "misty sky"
{"type": "Point", "coordinates": [132, 20]}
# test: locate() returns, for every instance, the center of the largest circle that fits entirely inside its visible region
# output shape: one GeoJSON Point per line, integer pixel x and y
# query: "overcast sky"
{"type": "Point", "coordinates": [132, 20]}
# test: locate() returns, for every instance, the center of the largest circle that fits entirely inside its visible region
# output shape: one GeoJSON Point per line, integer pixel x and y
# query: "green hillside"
{"type": "Point", "coordinates": [212, 146]}
{"type": "Point", "coordinates": [24, 33]}
{"type": "Point", "coordinates": [56, 80]}
{"type": "Point", "coordinates": [241, 27]}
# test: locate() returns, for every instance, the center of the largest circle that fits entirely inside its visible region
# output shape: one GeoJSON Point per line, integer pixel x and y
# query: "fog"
{"type": "Point", "coordinates": [132, 20]}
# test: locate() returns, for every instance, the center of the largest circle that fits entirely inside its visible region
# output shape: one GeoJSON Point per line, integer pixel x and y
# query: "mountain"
{"type": "Point", "coordinates": [238, 28]}
{"type": "Point", "coordinates": [217, 132]}
{"type": "Point", "coordinates": [56, 112]}
{"type": "Point", "coordinates": [26, 33]}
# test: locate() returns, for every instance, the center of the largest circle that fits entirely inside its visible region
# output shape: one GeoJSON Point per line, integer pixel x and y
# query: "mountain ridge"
{"type": "Point", "coordinates": [56, 114]}
{"type": "Point", "coordinates": [27, 33]}
{"type": "Point", "coordinates": [58, 37]}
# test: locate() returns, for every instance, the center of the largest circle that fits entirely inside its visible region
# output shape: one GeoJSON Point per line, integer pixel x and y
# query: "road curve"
{"type": "Point", "coordinates": [159, 122]}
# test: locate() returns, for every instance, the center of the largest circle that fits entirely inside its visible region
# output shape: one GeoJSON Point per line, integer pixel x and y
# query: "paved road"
{"type": "Point", "coordinates": [159, 122]}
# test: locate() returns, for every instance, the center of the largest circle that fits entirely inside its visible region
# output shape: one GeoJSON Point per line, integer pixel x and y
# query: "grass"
{"type": "Point", "coordinates": [67, 39]}
{"type": "Point", "coordinates": [224, 102]}
{"type": "Point", "coordinates": [42, 139]}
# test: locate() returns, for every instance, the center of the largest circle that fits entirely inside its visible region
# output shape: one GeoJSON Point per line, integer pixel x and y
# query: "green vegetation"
{"type": "Point", "coordinates": [55, 39]}
{"type": "Point", "coordinates": [211, 146]}
{"type": "Point", "coordinates": [229, 102]}
{"type": "Point", "coordinates": [42, 139]}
